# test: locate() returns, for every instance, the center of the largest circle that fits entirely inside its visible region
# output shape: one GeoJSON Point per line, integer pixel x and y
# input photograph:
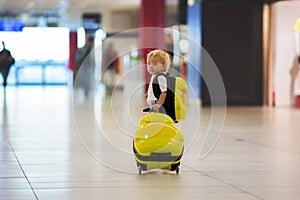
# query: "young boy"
{"type": "Point", "coordinates": [158, 62]}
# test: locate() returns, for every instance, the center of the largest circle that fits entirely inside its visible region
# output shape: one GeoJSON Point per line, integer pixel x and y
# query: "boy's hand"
{"type": "Point", "coordinates": [156, 107]}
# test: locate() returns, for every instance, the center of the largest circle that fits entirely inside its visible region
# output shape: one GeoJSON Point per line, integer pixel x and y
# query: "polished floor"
{"type": "Point", "coordinates": [57, 145]}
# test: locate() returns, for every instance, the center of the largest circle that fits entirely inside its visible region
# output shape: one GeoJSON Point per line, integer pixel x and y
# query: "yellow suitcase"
{"type": "Point", "coordinates": [158, 143]}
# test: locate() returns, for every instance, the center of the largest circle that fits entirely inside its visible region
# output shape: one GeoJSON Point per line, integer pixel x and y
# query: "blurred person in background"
{"type": "Point", "coordinates": [85, 61]}
{"type": "Point", "coordinates": [6, 61]}
{"type": "Point", "coordinates": [295, 79]}
{"type": "Point", "coordinates": [110, 67]}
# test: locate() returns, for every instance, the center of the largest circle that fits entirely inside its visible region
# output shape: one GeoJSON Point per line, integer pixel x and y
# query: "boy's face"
{"type": "Point", "coordinates": [155, 66]}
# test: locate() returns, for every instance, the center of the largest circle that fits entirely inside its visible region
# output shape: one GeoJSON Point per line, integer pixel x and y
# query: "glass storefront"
{"type": "Point", "coordinates": [41, 55]}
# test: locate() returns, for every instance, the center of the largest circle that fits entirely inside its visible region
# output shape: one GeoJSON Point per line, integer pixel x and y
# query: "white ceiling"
{"type": "Point", "coordinates": [60, 7]}
{"type": "Point", "coordinates": [67, 13]}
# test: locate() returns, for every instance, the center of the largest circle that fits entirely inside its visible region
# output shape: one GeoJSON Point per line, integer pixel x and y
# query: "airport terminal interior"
{"type": "Point", "coordinates": [60, 140]}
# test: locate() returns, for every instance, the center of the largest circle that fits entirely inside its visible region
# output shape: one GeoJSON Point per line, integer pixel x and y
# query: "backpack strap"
{"type": "Point", "coordinates": [168, 107]}
{"type": "Point", "coordinates": [155, 85]}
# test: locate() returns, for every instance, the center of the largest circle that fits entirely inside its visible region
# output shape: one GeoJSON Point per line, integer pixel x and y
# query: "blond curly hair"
{"type": "Point", "coordinates": [162, 56]}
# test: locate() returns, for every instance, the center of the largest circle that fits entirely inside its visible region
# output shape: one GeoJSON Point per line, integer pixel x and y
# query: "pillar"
{"type": "Point", "coordinates": [72, 49]}
{"type": "Point", "coordinates": [152, 17]}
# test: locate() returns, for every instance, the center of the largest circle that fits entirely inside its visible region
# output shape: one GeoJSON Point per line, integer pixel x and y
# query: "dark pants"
{"type": "Point", "coordinates": [5, 72]}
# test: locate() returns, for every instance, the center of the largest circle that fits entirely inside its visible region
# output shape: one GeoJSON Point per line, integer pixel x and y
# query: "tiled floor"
{"type": "Point", "coordinates": [56, 145]}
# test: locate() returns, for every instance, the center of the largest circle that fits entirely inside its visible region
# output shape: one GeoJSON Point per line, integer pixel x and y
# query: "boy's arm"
{"type": "Point", "coordinates": [160, 101]}
{"type": "Point", "coordinates": [162, 98]}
